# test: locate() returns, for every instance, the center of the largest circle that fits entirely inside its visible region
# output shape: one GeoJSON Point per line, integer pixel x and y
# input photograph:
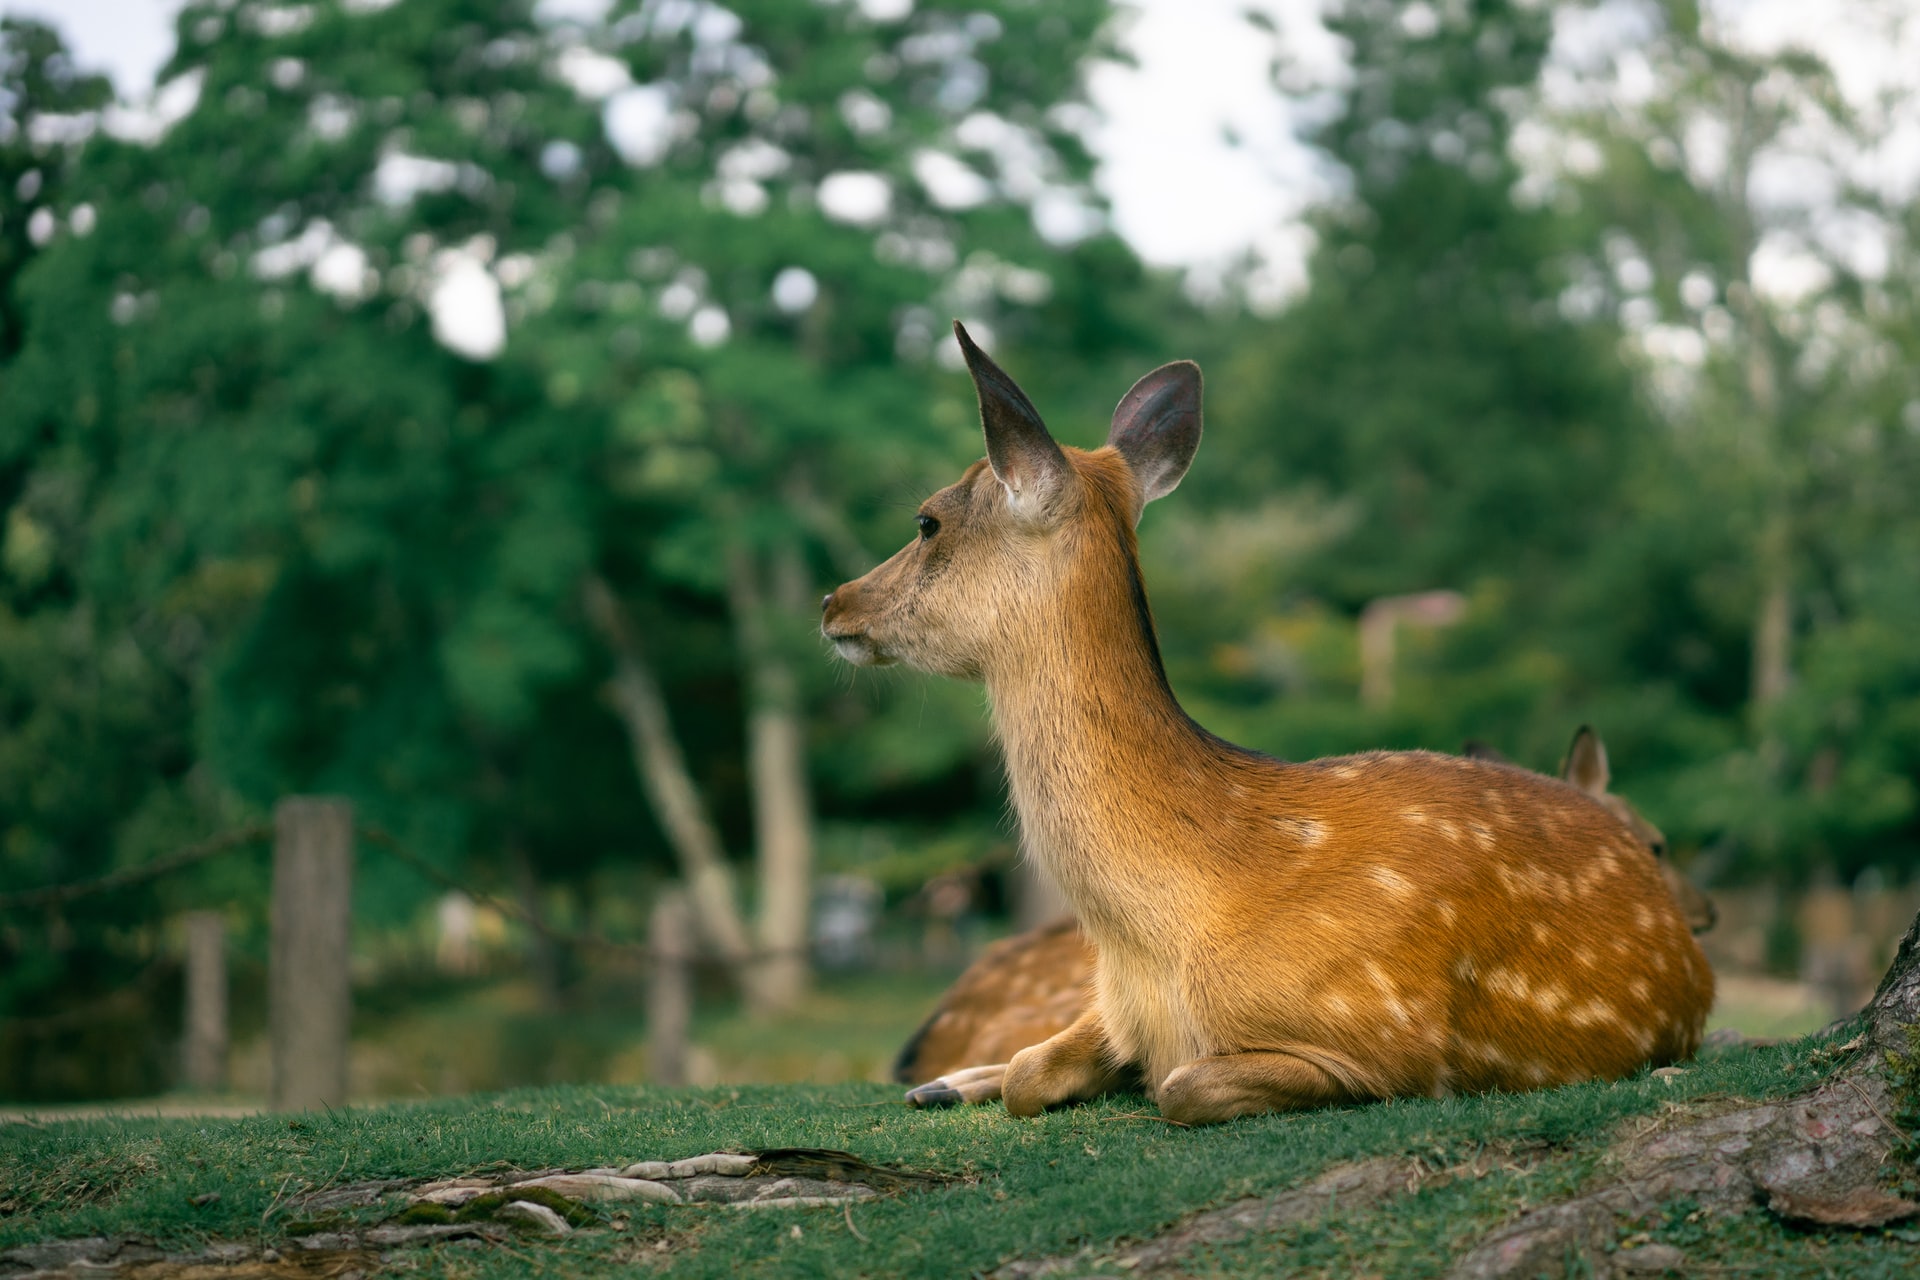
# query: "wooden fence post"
{"type": "Point", "coordinates": [308, 997]}
{"type": "Point", "coordinates": [203, 1047]}
{"type": "Point", "coordinates": [669, 987]}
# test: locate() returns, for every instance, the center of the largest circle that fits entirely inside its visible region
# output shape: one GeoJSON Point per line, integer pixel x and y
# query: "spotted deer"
{"type": "Point", "coordinates": [1268, 935]}
{"type": "Point", "coordinates": [1033, 985]}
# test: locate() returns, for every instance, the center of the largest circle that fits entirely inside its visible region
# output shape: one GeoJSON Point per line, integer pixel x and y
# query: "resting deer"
{"type": "Point", "coordinates": [1033, 985]}
{"type": "Point", "coordinates": [1269, 936]}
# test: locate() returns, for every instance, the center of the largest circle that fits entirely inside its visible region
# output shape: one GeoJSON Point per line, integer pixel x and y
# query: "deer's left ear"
{"type": "Point", "coordinates": [1156, 427]}
{"type": "Point", "coordinates": [1586, 766]}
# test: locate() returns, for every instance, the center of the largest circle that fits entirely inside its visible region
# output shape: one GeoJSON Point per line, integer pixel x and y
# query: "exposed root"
{"type": "Point", "coordinates": [1816, 1160]}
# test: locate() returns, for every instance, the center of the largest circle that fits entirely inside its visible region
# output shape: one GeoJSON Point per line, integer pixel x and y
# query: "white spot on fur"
{"type": "Point", "coordinates": [1583, 956]}
{"type": "Point", "coordinates": [1641, 916]}
{"type": "Point", "coordinates": [1592, 1013]}
{"type": "Point", "coordinates": [1446, 912]}
{"type": "Point", "coordinates": [1378, 976]}
{"type": "Point", "coordinates": [1449, 829]}
{"type": "Point", "coordinates": [1417, 817]}
{"type": "Point", "coordinates": [1392, 881]}
{"type": "Point", "coordinates": [1508, 983]}
{"type": "Point", "coordinates": [1482, 834]}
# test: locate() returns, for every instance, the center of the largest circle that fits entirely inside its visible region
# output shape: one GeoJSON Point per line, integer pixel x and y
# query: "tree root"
{"type": "Point", "coordinates": [1815, 1160]}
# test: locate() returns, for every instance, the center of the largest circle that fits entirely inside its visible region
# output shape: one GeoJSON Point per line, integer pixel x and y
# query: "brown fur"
{"type": "Point", "coordinates": [1269, 935]}
{"type": "Point", "coordinates": [1034, 985]}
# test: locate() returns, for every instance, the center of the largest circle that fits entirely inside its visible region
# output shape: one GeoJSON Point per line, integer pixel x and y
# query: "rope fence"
{"type": "Point", "coordinates": [376, 837]}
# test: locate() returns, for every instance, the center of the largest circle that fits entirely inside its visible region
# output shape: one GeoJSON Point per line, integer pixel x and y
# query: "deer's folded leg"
{"type": "Point", "coordinates": [972, 1084]}
{"type": "Point", "coordinates": [1073, 1066]}
{"type": "Point", "coordinates": [1209, 1090]}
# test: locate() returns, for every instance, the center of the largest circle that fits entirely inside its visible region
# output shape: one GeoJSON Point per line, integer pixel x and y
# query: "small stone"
{"type": "Point", "coordinates": [794, 1231]}
{"type": "Point", "coordinates": [1649, 1258]}
{"type": "Point", "coordinates": [204, 1199]}
{"type": "Point", "coordinates": [537, 1215]}
{"type": "Point", "coordinates": [1668, 1074]}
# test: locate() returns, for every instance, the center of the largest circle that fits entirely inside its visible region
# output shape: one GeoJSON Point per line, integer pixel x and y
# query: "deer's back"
{"type": "Point", "coordinates": [1442, 924]}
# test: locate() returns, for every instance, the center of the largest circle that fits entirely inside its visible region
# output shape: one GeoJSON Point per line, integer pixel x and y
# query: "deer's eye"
{"type": "Point", "coordinates": [928, 526]}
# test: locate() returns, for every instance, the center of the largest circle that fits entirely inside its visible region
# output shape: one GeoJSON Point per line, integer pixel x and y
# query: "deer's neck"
{"type": "Point", "coordinates": [1108, 774]}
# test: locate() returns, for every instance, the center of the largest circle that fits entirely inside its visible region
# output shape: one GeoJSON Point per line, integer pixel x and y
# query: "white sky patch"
{"type": "Point", "coordinates": [148, 121]}
{"type": "Point", "coordinates": [1181, 194]}
{"type": "Point", "coordinates": [1786, 272]}
{"type": "Point", "coordinates": [886, 10]}
{"type": "Point", "coordinates": [710, 326]}
{"type": "Point", "coordinates": [949, 182]}
{"type": "Point", "coordinates": [592, 74]}
{"type": "Point", "coordinates": [585, 12]}
{"type": "Point", "coordinates": [856, 197]}
{"type": "Point", "coordinates": [795, 289]}
{"type": "Point", "coordinates": [342, 270]}
{"type": "Point", "coordinates": [639, 123]}
{"type": "Point", "coordinates": [400, 177]}
{"type": "Point", "coordinates": [464, 302]}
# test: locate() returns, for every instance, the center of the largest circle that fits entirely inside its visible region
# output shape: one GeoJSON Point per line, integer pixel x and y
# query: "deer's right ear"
{"type": "Point", "coordinates": [1587, 763]}
{"type": "Point", "coordinates": [1156, 427]}
{"type": "Point", "coordinates": [1023, 454]}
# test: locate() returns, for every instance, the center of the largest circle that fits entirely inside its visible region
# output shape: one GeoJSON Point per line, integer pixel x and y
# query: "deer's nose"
{"type": "Point", "coordinates": [826, 602]}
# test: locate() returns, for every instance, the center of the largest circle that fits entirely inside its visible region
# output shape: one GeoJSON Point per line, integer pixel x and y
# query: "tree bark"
{"type": "Point", "coordinates": [777, 769]}
{"type": "Point", "coordinates": [635, 696]}
{"type": "Point", "coordinates": [547, 961]}
{"type": "Point", "coordinates": [1814, 1160]}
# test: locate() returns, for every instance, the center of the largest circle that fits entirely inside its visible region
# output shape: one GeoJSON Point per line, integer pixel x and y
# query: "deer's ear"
{"type": "Point", "coordinates": [1023, 454]}
{"type": "Point", "coordinates": [1587, 763]}
{"type": "Point", "coordinates": [1156, 427]}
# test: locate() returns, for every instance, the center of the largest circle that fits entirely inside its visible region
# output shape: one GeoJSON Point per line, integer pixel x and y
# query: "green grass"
{"type": "Point", "coordinates": [1092, 1174]}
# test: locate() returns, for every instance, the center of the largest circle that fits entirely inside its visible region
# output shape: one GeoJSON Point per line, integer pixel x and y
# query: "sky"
{"type": "Point", "coordinates": [1180, 192]}
{"type": "Point", "coordinates": [1202, 72]}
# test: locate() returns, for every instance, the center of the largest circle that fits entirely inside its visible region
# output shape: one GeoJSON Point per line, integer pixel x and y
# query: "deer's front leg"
{"type": "Point", "coordinates": [1209, 1090]}
{"type": "Point", "coordinates": [971, 1084]}
{"type": "Point", "coordinates": [1073, 1066]}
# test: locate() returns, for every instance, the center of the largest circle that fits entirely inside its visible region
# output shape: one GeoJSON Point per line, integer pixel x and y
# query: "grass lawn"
{"type": "Point", "coordinates": [1089, 1175]}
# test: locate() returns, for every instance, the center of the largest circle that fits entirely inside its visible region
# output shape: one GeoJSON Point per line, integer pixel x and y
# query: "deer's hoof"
{"type": "Point", "coordinates": [934, 1093]}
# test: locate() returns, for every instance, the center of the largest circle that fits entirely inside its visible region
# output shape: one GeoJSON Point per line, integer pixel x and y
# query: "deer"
{"type": "Point", "coordinates": [1268, 935]}
{"type": "Point", "coordinates": [1033, 985]}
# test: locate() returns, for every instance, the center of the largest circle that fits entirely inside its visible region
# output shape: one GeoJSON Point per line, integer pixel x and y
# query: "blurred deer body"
{"type": "Point", "coordinates": [1269, 935]}
{"type": "Point", "coordinates": [1029, 987]}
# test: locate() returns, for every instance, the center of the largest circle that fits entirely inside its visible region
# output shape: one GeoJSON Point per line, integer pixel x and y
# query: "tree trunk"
{"type": "Point", "coordinates": [635, 695]}
{"type": "Point", "coordinates": [777, 769]}
{"type": "Point", "coordinates": [546, 958]}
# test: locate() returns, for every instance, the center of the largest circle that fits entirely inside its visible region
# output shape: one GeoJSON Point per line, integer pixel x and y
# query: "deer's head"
{"type": "Point", "coordinates": [1587, 769]}
{"type": "Point", "coordinates": [1001, 551]}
